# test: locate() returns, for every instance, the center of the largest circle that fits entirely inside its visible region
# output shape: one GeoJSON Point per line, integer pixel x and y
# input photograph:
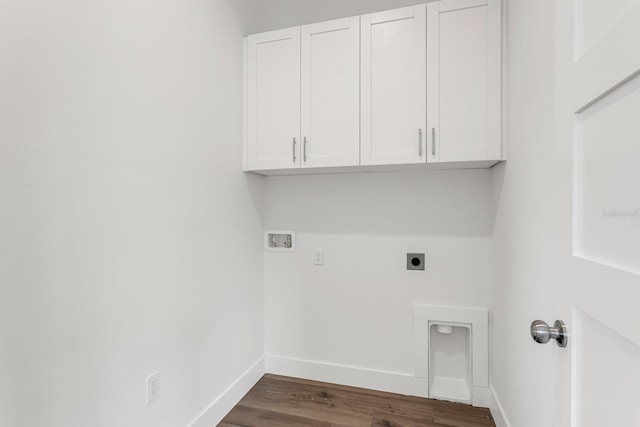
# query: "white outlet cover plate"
{"type": "Point", "coordinates": [318, 256]}
{"type": "Point", "coordinates": [153, 387]}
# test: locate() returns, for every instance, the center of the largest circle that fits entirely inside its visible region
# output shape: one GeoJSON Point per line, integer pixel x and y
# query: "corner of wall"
{"type": "Point", "coordinates": [497, 411]}
{"type": "Point", "coordinates": [222, 404]}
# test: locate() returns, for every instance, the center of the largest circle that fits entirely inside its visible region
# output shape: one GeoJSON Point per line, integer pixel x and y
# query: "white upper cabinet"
{"type": "Point", "coordinates": [464, 81]}
{"type": "Point", "coordinates": [273, 100]}
{"type": "Point", "coordinates": [393, 87]}
{"type": "Point", "coordinates": [419, 85]}
{"type": "Point", "coordinates": [331, 93]}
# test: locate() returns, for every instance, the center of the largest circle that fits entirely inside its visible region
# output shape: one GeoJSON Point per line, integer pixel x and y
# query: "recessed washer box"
{"type": "Point", "coordinates": [451, 352]}
{"type": "Point", "coordinates": [280, 241]}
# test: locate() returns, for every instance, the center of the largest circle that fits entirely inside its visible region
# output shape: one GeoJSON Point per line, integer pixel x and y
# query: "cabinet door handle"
{"type": "Point", "coordinates": [433, 142]}
{"type": "Point", "coordinates": [420, 142]}
{"type": "Point", "coordinates": [304, 150]}
{"type": "Point", "coordinates": [294, 149]}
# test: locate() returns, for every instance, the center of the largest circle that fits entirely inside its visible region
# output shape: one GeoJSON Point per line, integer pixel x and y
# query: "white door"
{"type": "Point", "coordinates": [598, 145]}
{"type": "Point", "coordinates": [464, 80]}
{"type": "Point", "coordinates": [273, 97]}
{"type": "Point", "coordinates": [331, 93]}
{"type": "Point", "coordinates": [393, 86]}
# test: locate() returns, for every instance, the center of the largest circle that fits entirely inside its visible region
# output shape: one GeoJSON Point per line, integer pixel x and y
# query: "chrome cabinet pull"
{"type": "Point", "coordinates": [420, 142]}
{"type": "Point", "coordinates": [294, 149]}
{"type": "Point", "coordinates": [304, 150]}
{"type": "Point", "coordinates": [433, 142]}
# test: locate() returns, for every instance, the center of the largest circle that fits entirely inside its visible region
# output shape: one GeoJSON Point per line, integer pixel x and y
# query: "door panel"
{"type": "Point", "coordinates": [609, 59]}
{"type": "Point", "coordinates": [331, 93]}
{"type": "Point", "coordinates": [393, 86]}
{"type": "Point", "coordinates": [606, 364]}
{"type": "Point", "coordinates": [596, 17]}
{"type": "Point", "coordinates": [598, 99]}
{"type": "Point", "coordinates": [606, 101]}
{"type": "Point", "coordinates": [274, 99]}
{"type": "Point", "coordinates": [607, 165]}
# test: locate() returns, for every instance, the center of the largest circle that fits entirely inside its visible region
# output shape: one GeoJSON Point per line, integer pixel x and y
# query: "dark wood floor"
{"type": "Point", "coordinates": [277, 401]}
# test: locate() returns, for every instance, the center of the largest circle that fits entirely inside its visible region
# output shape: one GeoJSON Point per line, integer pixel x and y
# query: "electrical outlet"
{"type": "Point", "coordinates": [318, 256]}
{"type": "Point", "coordinates": [153, 387]}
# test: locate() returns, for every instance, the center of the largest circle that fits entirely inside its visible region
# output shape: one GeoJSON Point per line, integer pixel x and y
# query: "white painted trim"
{"type": "Point", "coordinates": [494, 79]}
{"type": "Point", "coordinates": [481, 397]}
{"type": "Point", "coordinates": [245, 104]}
{"type": "Point", "coordinates": [451, 5]}
{"type": "Point", "coordinates": [354, 376]}
{"type": "Point", "coordinates": [479, 321]}
{"type": "Point", "coordinates": [497, 411]}
{"type": "Point", "coordinates": [395, 14]}
{"type": "Point", "coordinates": [478, 164]}
{"type": "Point", "coordinates": [455, 314]}
{"type": "Point", "coordinates": [504, 58]}
{"type": "Point", "coordinates": [221, 405]}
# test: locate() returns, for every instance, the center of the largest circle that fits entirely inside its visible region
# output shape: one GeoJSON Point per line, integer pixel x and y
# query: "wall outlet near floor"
{"type": "Point", "coordinates": [318, 256]}
{"type": "Point", "coordinates": [153, 387]}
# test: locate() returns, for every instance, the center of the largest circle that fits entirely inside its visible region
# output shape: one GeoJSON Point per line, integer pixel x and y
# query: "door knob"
{"type": "Point", "coordinates": [541, 332]}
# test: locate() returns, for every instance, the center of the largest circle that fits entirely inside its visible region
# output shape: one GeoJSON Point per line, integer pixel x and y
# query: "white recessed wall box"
{"type": "Point", "coordinates": [279, 241]}
{"type": "Point", "coordinates": [451, 352]}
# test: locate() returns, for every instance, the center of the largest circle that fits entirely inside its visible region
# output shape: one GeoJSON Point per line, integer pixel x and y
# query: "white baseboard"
{"type": "Point", "coordinates": [392, 382]}
{"type": "Point", "coordinates": [221, 405]}
{"type": "Point", "coordinates": [481, 397]}
{"type": "Point", "coordinates": [497, 411]}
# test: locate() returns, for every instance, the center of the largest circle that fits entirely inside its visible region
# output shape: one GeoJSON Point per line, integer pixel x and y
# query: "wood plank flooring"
{"type": "Point", "coordinates": [277, 401]}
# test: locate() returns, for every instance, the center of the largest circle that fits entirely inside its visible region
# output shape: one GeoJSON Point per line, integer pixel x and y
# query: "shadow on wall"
{"type": "Point", "coordinates": [256, 188]}
{"type": "Point", "coordinates": [278, 14]}
{"type": "Point", "coordinates": [435, 203]}
{"type": "Point", "coordinates": [497, 183]}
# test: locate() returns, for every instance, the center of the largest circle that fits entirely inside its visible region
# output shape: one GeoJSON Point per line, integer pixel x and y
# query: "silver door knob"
{"type": "Point", "coordinates": [542, 333]}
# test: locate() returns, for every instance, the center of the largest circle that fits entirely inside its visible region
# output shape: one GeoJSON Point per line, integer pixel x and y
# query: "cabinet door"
{"type": "Point", "coordinates": [331, 93]}
{"type": "Point", "coordinates": [464, 80]}
{"type": "Point", "coordinates": [273, 80]}
{"type": "Point", "coordinates": [393, 86]}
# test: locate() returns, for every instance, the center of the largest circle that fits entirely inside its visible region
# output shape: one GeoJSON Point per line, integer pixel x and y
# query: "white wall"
{"type": "Point", "coordinates": [357, 309]}
{"type": "Point", "coordinates": [526, 218]}
{"type": "Point", "coordinates": [130, 240]}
